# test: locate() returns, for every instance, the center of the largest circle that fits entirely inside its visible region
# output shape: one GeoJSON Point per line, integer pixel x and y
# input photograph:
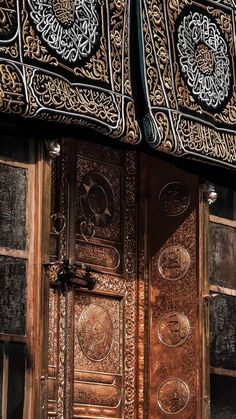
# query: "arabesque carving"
{"type": "Point", "coordinates": [92, 334]}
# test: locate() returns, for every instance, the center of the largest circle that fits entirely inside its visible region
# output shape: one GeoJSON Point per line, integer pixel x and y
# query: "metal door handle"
{"type": "Point", "coordinates": [66, 276]}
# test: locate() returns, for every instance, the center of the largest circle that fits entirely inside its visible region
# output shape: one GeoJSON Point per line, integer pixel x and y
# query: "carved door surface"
{"type": "Point", "coordinates": [175, 303]}
{"type": "Point", "coordinates": [91, 346]}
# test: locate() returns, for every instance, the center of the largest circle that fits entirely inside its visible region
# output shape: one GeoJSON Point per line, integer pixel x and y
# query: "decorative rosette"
{"type": "Point", "coordinates": [203, 59]}
{"type": "Point", "coordinates": [69, 27]}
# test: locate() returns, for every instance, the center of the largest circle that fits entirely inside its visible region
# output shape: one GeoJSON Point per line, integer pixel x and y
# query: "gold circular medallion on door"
{"type": "Point", "coordinates": [173, 262]}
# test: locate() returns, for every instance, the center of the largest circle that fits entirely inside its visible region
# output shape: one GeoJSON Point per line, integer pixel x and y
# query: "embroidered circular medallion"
{"type": "Point", "coordinates": [173, 329]}
{"type": "Point", "coordinates": [173, 396]}
{"type": "Point", "coordinates": [174, 199]}
{"type": "Point", "coordinates": [69, 27]}
{"type": "Point", "coordinates": [95, 332]}
{"type": "Point", "coordinates": [204, 59]}
{"type": "Point", "coordinates": [173, 262]}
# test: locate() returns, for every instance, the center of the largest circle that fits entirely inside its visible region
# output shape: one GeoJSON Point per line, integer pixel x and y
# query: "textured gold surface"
{"type": "Point", "coordinates": [92, 334]}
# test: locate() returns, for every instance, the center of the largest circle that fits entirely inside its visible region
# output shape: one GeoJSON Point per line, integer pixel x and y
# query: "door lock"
{"type": "Point", "coordinates": [66, 276]}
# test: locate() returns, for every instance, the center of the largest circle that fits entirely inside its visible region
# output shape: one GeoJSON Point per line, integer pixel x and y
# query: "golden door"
{"type": "Point", "coordinates": [92, 349]}
{"type": "Point", "coordinates": [126, 311]}
{"type": "Point", "coordinates": [175, 317]}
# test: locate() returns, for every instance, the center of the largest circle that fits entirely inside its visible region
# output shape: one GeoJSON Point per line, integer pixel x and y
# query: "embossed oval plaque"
{"type": "Point", "coordinates": [173, 329]}
{"type": "Point", "coordinates": [97, 199]}
{"type": "Point", "coordinates": [95, 332]}
{"type": "Point", "coordinates": [174, 199]}
{"type": "Point", "coordinates": [173, 396]}
{"type": "Point", "coordinates": [173, 262]}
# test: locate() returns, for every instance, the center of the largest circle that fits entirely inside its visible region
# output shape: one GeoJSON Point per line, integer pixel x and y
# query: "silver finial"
{"type": "Point", "coordinates": [210, 193]}
{"type": "Point", "coordinates": [53, 147]}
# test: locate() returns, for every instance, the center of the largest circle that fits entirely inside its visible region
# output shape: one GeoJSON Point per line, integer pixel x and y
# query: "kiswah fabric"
{"type": "Point", "coordinates": [188, 64]}
{"type": "Point", "coordinates": [68, 61]}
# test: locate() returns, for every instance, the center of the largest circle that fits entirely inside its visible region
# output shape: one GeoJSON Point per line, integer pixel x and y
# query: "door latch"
{"type": "Point", "coordinates": [66, 276]}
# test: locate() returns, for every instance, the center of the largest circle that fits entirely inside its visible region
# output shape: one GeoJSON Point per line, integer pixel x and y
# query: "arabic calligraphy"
{"type": "Point", "coordinates": [64, 11]}
{"type": "Point", "coordinates": [174, 262]}
{"type": "Point", "coordinates": [202, 139]}
{"type": "Point", "coordinates": [203, 58]}
{"type": "Point", "coordinates": [95, 332]}
{"type": "Point", "coordinates": [173, 396]}
{"type": "Point", "coordinates": [68, 27]}
{"type": "Point", "coordinates": [173, 329]}
{"type": "Point", "coordinates": [11, 50]}
{"type": "Point", "coordinates": [174, 199]}
{"type": "Point", "coordinates": [7, 18]}
{"type": "Point", "coordinates": [60, 46]}
{"type": "Point", "coordinates": [57, 93]}
{"type": "Point", "coordinates": [12, 94]}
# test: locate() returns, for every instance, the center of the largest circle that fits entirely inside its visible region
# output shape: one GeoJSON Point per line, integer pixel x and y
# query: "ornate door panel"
{"type": "Point", "coordinates": [174, 297]}
{"type": "Point", "coordinates": [92, 332]}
